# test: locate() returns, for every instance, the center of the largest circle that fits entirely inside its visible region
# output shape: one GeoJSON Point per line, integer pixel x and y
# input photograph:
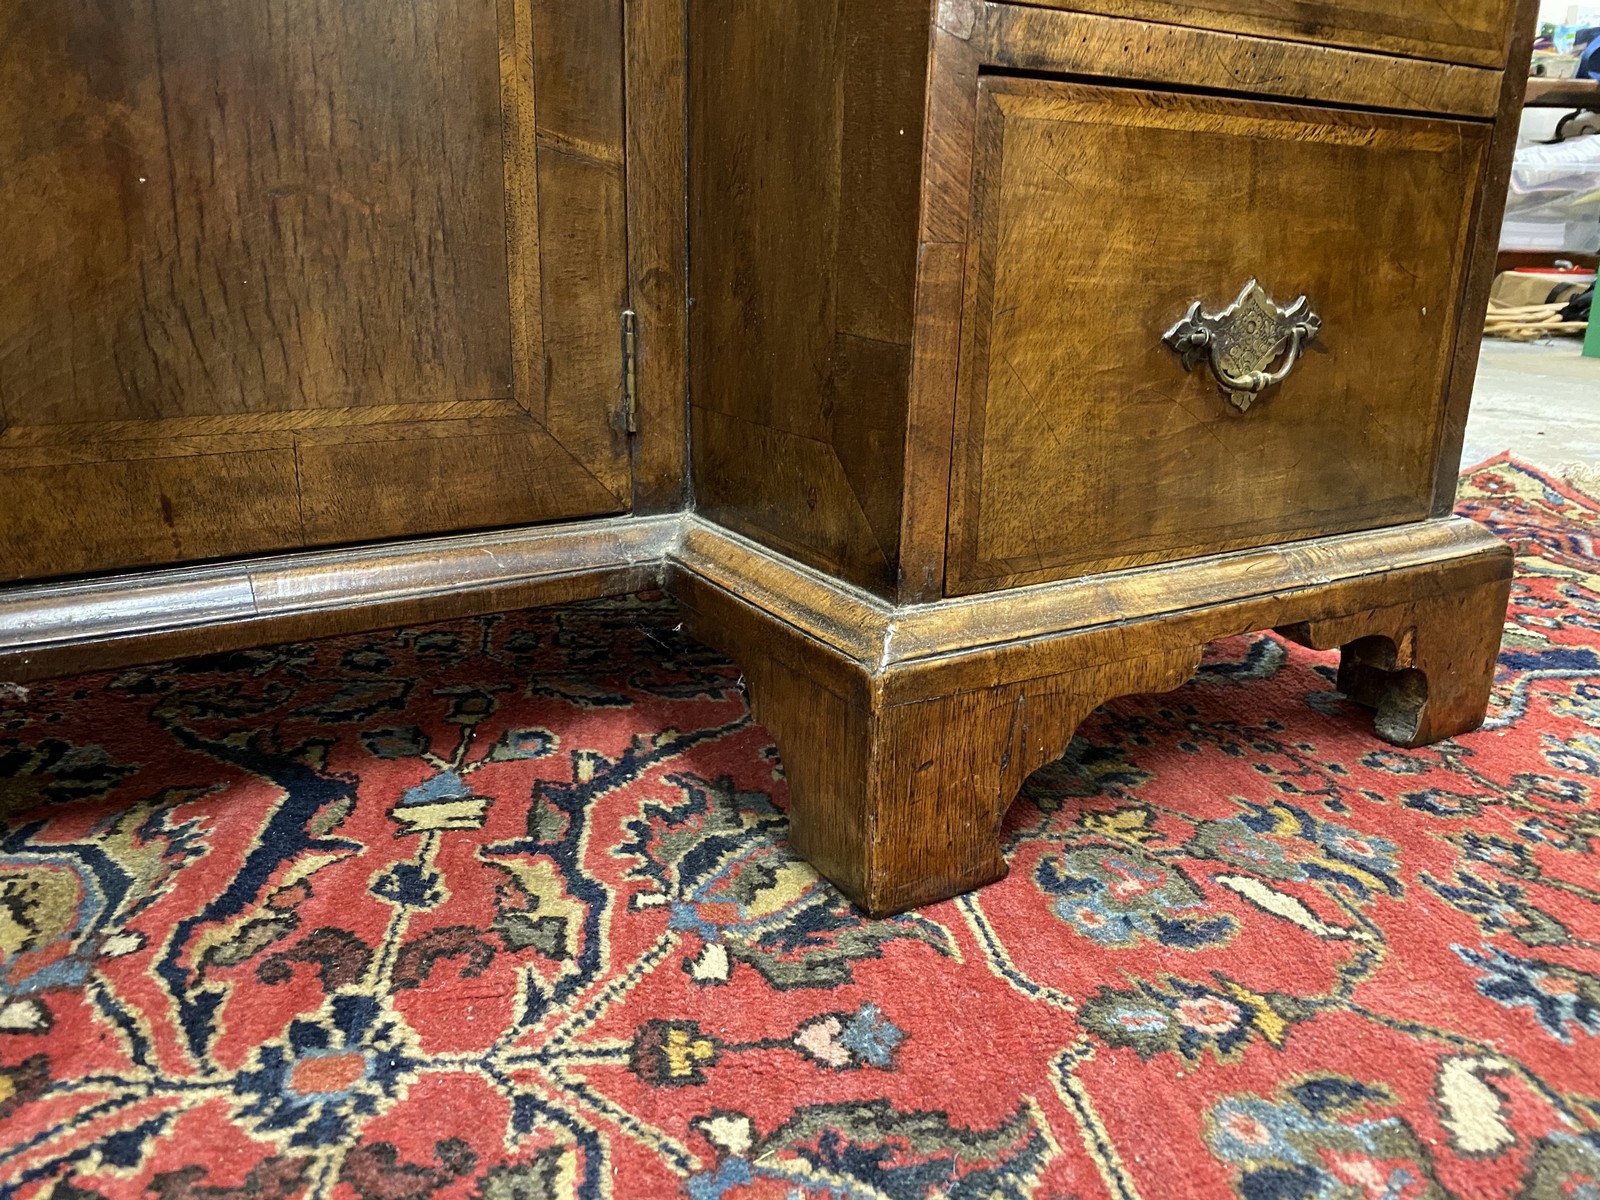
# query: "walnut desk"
{"type": "Point", "coordinates": [958, 365]}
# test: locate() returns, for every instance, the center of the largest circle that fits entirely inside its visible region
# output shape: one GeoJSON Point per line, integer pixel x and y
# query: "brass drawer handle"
{"type": "Point", "coordinates": [1243, 340]}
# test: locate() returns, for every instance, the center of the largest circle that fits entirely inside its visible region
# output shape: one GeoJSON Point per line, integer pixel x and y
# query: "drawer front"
{"type": "Point", "coordinates": [1100, 215]}
{"type": "Point", "coordinates": [1476, 32]}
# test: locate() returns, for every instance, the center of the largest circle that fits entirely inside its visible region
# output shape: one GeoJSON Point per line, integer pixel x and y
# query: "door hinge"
{"type": "Point", "coordinates": [630, 370]}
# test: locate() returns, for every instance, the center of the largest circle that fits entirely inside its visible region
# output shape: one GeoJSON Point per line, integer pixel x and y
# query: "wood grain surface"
{"type": "Point", "coordinates": [906, 731]}
{"type": "Point", "coordinates": [51, 629]}
{"type": "Point", "coordinates": [806, 138]}
{"type": "Point", "coordinates": [657, 132]}
{"type": "Point", "coordinates": [972, 37]}
{"type": "Point", "coordinates": [246, 272]}
{"type": "Point", "coordinates": [1083, 444]}
{"type": "Point", "coordinates": [1466, 31]}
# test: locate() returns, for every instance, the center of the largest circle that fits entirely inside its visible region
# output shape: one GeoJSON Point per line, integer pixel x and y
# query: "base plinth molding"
{"type": "Point", "coordinates": [906, 731]}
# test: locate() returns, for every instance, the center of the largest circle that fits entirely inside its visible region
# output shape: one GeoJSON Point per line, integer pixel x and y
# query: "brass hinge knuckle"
{"type": "Point", "coordinates": [630, 370]}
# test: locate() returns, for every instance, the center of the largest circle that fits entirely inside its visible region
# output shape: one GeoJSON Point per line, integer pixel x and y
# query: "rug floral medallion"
{"type": "Point", "coordinates": [503, 909]}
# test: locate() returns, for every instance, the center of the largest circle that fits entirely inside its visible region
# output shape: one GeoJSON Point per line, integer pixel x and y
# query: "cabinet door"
{"type": "Point", "coordinates": [290, 273]}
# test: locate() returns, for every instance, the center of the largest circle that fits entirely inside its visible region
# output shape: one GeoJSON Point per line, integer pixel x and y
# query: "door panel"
{"type": "Point", "coordinates": [281, 274]}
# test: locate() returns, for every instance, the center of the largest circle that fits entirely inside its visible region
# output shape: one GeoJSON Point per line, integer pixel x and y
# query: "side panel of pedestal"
{"type": "Point", "coordinates": [805, 121]}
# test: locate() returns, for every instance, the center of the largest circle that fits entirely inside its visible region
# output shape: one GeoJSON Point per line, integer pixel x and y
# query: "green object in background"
{"type": "Point", "coordinates": [1591, 339]}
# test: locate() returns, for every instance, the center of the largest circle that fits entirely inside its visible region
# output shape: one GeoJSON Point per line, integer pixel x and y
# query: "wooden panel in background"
{"type": "Point", "coordinates": [461, 475]}
{"type": "Point", "coordinates": [236, 233]}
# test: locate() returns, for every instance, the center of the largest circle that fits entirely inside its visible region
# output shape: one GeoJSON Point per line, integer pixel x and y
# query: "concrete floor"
{"type": "Point", "coordinates": [1542, 403]}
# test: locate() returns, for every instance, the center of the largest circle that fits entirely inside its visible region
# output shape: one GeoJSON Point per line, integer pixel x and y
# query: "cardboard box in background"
{"type": "Point", "coordinates": [1519, 288]}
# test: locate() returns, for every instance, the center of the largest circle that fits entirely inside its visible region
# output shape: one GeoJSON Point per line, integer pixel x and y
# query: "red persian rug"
{"type": "Point", "coordinates": [502, 909]}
